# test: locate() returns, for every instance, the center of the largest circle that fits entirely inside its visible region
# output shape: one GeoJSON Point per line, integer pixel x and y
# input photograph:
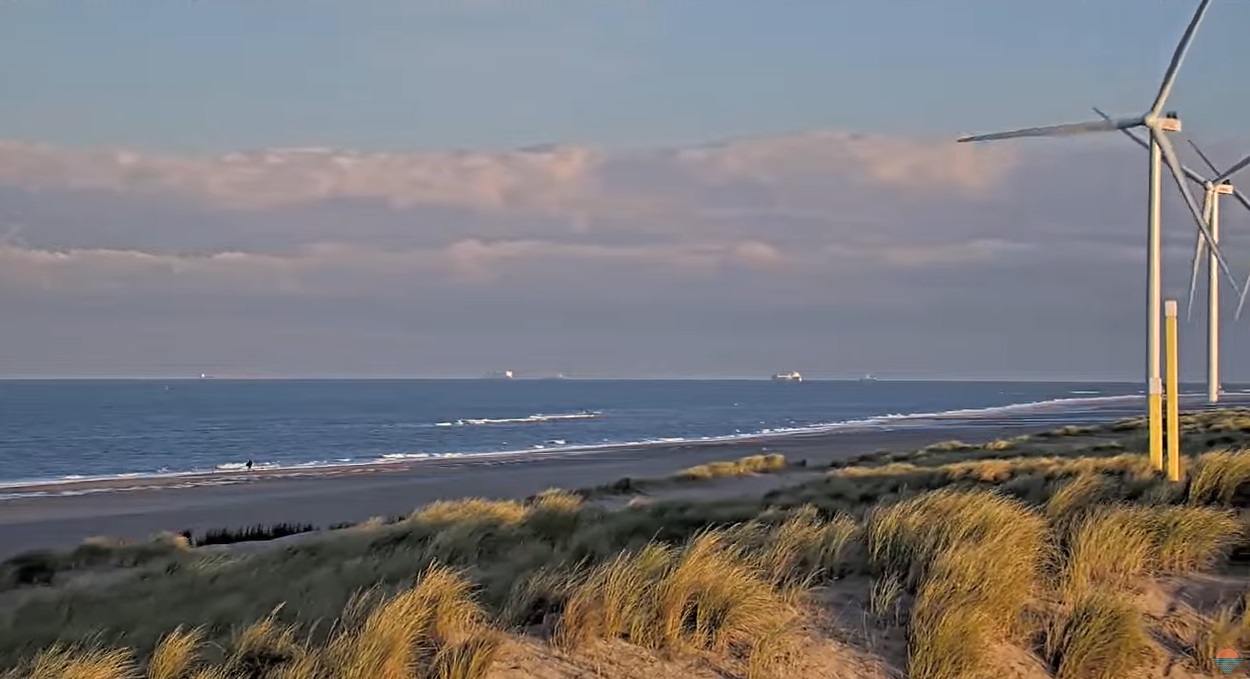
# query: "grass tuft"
{"type": "Point", "coordinates": [77, 662]}
{"type": "Point", "coordinates": [707, 596]}
{"type": "Point", "coordinates": [1117, 547]}
{"type": "Point", "coordinates": [971, 558]}
{"type": "Point", "coordinates": [754, 464]}
{"type": "Point", "coordinates": [175, 655]}
{"type": "Point", "coordinates": [1219, 476]}
{"type": "Point", "coordinates": [1103, 636]}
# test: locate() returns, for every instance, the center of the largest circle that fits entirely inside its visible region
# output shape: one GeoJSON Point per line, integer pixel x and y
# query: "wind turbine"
{"type": "Point", "coordinates": [1213, 188]}
{"type": "Point", "coordinates": [1159, 124]}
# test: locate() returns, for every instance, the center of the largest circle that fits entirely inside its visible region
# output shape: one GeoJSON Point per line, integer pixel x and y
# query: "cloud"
{"type": "Point", "coordinates": [806, 239]}
{"type": "Point", "coordinates": [563, 180]}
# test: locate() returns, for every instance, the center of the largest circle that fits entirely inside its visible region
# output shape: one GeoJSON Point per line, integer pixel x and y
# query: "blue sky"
{"type": "Point", "coordinates": [841, 230]}
{"type": "Point", "coordinates": [427, 74]}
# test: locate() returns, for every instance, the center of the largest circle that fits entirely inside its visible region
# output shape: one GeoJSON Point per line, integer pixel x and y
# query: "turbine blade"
{"type": "Point", "coordinates": [1202, 155]}
{"type": "Point", "coordinates": [1178, 56]}
{"type": "Point", "coordinates": [1241, 303]}
{"type": "Point", "coordinates": [1169, 155]}
{"type": "Point", "coordinates": [1128, 132]}
{"type": "Point", "coordinates": [1232, 170]}
{"type": "Point", "coordinates": [1193, 277]}
{"type": "Point", "coordinates": [1061, 130]}
{"type": "Point", "coordinates": [1198, 252]}
{"type": "Point", "coordinates": [1241, 198]}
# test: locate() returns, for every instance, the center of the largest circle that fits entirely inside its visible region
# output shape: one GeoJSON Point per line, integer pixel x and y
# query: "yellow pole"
{"type": "Point", "coordinates": [1154, 412]}
{"type": "Point", "coordinates": [1173, 395]}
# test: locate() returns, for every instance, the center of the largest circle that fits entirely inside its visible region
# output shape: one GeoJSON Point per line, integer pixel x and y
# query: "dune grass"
{"type": "Point", "coordinates": [1218, 477]}
{"type": "Point", "coordinates": [1034, 543]}
{"type": "Point", "coordinates": [433, 629]}
{"type": "Point", "coordinates": [710, 595]}
{"type": "Point", "coordinates": [972, 560]}
{"type": "Point", "coordinates": [1101, 636]}
{"type": "Point", "coordinates": [1114, 547]}
{"type": "Point", "coordinates": [754, 464]}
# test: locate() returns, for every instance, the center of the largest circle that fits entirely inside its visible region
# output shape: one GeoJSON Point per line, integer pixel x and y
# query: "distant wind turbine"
{"type": "Point", "coordinates": [1213, 188]}
{"type": "Point", "coordinates": [1158, 123]}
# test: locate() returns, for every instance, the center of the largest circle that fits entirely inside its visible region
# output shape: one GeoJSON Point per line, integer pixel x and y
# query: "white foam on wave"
{"type": "Point", "coordinates": [528, 419]}
{"type": "Point", "coordinates": [416, 456]}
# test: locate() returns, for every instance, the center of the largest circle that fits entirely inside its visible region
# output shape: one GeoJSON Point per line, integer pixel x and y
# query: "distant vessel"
{"type": "Point", "coordinates": [205, 376]}
{"type": "Point", "coordinates": [792, 376]}
{"type": "Point", "coordinates": [504, 375]}
{"type": "Point", "coordinates": [867, 378]}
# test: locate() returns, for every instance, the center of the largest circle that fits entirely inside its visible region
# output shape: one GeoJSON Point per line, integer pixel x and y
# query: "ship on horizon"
{"type": "Point", "coordinates": [792, 376]}
{"type": "Point", "coordinates": [499, 375]}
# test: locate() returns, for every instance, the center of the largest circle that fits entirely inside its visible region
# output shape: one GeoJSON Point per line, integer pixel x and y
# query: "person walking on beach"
{"type": "Point", "coordinates": [249, 465]}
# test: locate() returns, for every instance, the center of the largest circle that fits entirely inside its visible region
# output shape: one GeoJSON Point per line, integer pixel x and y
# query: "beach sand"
{"type": "Point", "coordinates": [351, 494]}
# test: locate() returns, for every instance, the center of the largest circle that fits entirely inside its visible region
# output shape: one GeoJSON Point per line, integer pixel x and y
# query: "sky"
{"type": "Point", "coordinates": [616, 188]}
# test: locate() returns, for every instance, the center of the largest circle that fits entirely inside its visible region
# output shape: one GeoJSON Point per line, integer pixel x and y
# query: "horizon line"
{"type": "Point", "coordinates": [546, 378]}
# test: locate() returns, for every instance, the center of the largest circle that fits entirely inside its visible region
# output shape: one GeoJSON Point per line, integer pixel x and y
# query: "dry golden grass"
{"type": "Point", "coordinates": [403, 635]}
{"type": "Point", "coordinates": [76, 662]}
{"type": "Point", "coordinates": [972, 558]}
{"type": "Point", "coordinates": [1118, 546]}
{"type": "Point", "coordinates": [802, 550]}
{"type": "Point", "coordinates": [1101, 636]}
{"type": "Point", "coordinates": [432, 630]}
{"type": "Point", "coordinates": [708, 596]}
{"type": "Point", "coordinates": [175, 655]}
{"type": "Point", "coordinates": [754, 464]}
{"type": "Point", "coordinates": [907, 538]}
{"type": "Point", "coordinates": [1075, 497]}
{"type": "Point", "coordinates": [1218, 476]}
{"type": "Point", "coordinates": [1111, 547]}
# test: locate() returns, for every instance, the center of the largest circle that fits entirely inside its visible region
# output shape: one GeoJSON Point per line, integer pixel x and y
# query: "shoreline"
{"type": "Point", "coordinates": [358, 493]}
{"type": "Point", "coordinates": [18, 490]}
{"type": "Point", "coordinates": [225, 474]}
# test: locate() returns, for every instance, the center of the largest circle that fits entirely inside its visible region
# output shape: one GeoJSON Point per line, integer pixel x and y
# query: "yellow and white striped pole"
{"type": "Point", "coordinates": [1173, 392]}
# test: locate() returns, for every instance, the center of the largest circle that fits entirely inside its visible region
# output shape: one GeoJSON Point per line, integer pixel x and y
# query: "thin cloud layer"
{"type": "Point", "coordinates": [817, 240]}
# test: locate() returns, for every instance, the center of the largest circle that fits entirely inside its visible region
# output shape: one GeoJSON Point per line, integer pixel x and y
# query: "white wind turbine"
{"type": "Point", "coordinates": [1214, 187]}
{"type": "Point", "coordinates": [1159, 124]}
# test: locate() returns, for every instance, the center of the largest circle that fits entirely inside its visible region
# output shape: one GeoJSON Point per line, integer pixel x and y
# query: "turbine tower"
{"type": "Point", "coordinates": [1214, 187]}
{"type": "Point", "coordinates": [1159, 124]}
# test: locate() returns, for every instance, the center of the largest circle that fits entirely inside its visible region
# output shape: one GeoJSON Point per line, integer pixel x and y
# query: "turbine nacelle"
{"type": "Point", "coordinates": [1223, 188]}
{"type": "Point", "coordinates": [1168, 122]}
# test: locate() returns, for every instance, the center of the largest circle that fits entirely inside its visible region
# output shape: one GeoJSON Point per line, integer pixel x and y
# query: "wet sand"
{"type": "Point", "coordinates": [349, 494]}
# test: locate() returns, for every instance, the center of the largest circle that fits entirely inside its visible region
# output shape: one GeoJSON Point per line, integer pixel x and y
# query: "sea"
{"type": "Point", "coordinates": [53, 431]}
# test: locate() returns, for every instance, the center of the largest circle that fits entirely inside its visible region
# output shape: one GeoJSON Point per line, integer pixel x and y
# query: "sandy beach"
{"type": "Point", "coordinates": [139, 508]}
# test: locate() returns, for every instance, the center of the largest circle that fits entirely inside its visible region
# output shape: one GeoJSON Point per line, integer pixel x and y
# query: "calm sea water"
{"type": "Point", "coordinates": [53, 430]}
